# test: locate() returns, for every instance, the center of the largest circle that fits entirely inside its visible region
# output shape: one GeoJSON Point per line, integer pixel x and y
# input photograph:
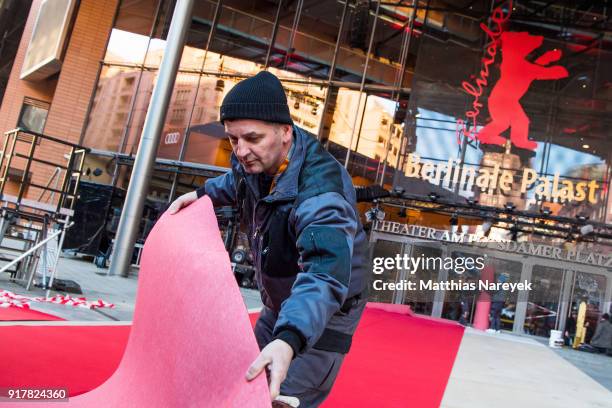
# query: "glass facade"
{"type": "Point", "coordinates": [505, 104]}
{"type": "Point", "coordinates": [556, 288]}
{"type": "Point", "coordinates": [397, 84]}
{"type": "Point", "coordinates": [545, 301]}
{"type": "Point", "coordinates": [315, 50]}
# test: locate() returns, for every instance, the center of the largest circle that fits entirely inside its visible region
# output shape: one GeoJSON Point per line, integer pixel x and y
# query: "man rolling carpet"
{"type": "Point", "coordinates": [308, 245]}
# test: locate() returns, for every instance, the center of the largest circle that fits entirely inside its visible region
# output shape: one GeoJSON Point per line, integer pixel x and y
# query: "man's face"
{"type": "Point", "coordinates": [260, 147]}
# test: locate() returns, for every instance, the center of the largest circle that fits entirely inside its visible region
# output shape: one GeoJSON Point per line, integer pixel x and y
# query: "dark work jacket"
{"type": "Point", "coordinates": [308, 245]}
{"type": "Point", "coordinates": [603, 335]}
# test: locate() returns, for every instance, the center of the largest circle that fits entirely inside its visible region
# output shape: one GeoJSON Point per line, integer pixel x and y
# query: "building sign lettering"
{"type": "Point", "coordinates": [525, 248]}
{"type": "Point", "coordinates": [451, 174]}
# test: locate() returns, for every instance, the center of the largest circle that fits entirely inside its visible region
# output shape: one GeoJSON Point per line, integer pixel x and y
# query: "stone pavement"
{"type": "Point", "coordinates": [596, 366]}
{"type": "Point", "coordinates": [97, 285]}
{"type": "Point", "coordinates": [509, 371]}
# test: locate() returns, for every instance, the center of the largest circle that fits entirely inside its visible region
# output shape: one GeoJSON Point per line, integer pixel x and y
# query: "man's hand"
{"type": "Point", "coordinates": [182, 201]}
{"type": "Point", "coordinates": [277, 356]}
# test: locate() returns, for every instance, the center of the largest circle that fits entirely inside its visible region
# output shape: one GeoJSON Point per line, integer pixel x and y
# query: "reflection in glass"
{"type": "Point", "coordinates": [375, 136]}
{"type": "Point", "coordinates": [206, 141]}
{"type": "Point", "coordinates": [33, 115]}
{"type": "Point", "coordinates": [389, 38]}
{"type": "Point", "coordinates": [137, 16]}
{"type": "Point", "coordinates": [195, 102]}
{"type": "Point", "coordinates": [305, 101]}
{"type": "Point", "coordinates": [196, 39]}
{"type": "Point", "coordinates": [98, 169]}
{"type": "Point", "coordinates": [178, 115]}
{"type": "Point", "coordinates": [379, 135]}
{"type": "Point", "coordinates": [155, 53]}
{"type": "Point", "coordinates": [354, 41]}
{"type": "Point", "coordinates": [312, 44]}
{"type": "Point", "coordinates": [129, 38]}
{"type": "Point", "coordinates": [115, 93]}
{"type": "Point", "coordinates": [346, 113]}
{"type": "Point", "coordinates": [125, 47]}
{"type": "Point", "coordinates": [244, 30]}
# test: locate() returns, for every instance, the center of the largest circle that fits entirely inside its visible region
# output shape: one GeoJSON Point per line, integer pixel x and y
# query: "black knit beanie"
{"type": "Point", "coordinates": [259, 97]}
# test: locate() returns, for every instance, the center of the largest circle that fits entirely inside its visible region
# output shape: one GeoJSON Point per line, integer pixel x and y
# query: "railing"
{"type": "Point", "coordinates": [27, 152]}
{"type": "Point", "coordinates": [35, 248]}
{"type": "Point", "coordinates": [31, 141]}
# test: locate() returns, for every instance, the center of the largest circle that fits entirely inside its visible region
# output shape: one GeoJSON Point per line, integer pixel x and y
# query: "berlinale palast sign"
{"type": "Point", "coordinates": [489, 179]}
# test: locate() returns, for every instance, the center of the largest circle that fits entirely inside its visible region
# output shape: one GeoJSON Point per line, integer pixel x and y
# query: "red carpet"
{"type": "Point", "coordinates": [77, 357]}
{"type": "Point", "coordinates": [396, 360]}
{"type": "Point", "coordinates": [12, 313]}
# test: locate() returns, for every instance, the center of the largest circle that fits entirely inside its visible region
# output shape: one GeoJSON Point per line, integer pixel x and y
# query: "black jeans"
{"type": "Point", "coordinates": [311, 374]}
{"type": "Point", "coordinates": [496, 308]}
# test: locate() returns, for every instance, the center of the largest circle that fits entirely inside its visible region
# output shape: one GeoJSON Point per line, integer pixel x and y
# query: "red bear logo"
{"type": "Point", "coordinates": [517, 74]}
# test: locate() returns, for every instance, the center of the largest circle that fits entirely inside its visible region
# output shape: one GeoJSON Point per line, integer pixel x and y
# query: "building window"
{"type": "Point", "coordinates": [33, 115]}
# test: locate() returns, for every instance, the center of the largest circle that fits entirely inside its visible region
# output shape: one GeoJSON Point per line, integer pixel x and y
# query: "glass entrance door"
{"type": "Point", "coordinates": [384, 249]}
{"type": "Point", "coordinates": [421, 301]}
{"type": "Point", "coordinates": [589, 288]}
{"type": "Point", "coordinates": [461, 305]}
{"type": "Point", "coordinates": [544, 303]}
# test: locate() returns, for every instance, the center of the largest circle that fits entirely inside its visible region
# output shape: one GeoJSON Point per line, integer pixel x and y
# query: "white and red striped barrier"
{"type": "Point", "coordinates": [8, 299]}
